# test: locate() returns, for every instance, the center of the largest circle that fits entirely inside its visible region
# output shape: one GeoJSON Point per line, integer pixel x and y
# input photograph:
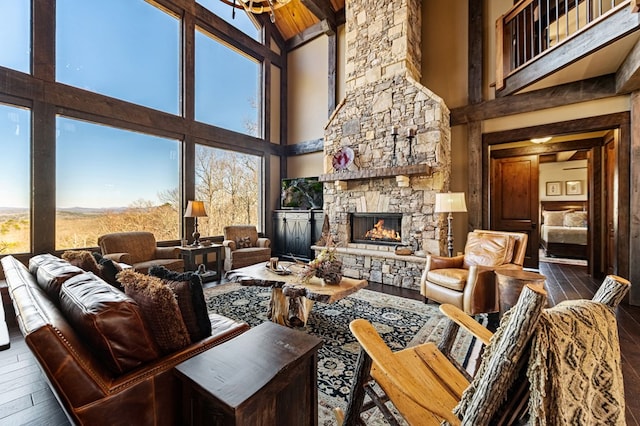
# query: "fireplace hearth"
{"type": "Point", "coordinates": [376, 228]}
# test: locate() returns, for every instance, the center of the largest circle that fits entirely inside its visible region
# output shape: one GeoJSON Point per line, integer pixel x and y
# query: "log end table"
{"type": "Point", "coordinates": [510, 284]}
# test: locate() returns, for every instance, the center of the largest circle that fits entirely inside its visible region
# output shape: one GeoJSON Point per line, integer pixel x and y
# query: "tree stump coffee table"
{"type": "Point", "coordinates": [291, 300]}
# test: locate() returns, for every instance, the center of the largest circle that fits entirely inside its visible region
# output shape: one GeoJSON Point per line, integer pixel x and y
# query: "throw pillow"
{"type": "Point", "coordinates": [83, 259]}
{"type": "Point", "coordinates": [100, 314]}
{"type": "Point", "coordinates": [554, 218]}
{"type": "Point", "coordinates": [159, 308]}
{"type": "Point", "coordinates": [243, 242]}
{"type": "Point", "coordinates": [576, 219]}
{"type": "Point", "coordinates": [187, 287]}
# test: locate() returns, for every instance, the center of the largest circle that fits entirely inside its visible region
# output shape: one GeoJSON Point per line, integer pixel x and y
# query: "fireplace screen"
{"type": "Point", "coordinates": [376, 228]}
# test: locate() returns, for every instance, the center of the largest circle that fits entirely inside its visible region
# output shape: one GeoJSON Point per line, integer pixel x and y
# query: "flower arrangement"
{"type": "Point", "coordinates": [326, 265]}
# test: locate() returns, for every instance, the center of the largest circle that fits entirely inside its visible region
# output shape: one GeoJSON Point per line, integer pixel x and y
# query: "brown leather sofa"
{"type": "Point", "coordinates": [87, 389]}
{"type": "Point", "coordinates": [468, 281]}
{"type": "Point", "coordinates": [243, 247]}
{"type": "Point", "coordinates": [139, 250]}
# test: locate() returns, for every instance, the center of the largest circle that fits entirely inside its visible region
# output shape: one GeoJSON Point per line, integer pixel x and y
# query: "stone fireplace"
{"type": "Point", "coordinates": [389, 174]}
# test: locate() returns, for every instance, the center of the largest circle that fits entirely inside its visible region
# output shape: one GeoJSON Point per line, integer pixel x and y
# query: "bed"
{"type": "Point", "coordinates": [564, 229]}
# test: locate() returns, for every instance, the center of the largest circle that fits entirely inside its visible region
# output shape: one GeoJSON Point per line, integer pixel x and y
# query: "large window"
{"type": "Point", "coordinates": [226, 86]}
{"type": "Point", "coordinates": [14, 180]}
{"type": "Point", "coordinates": [229, 184]}
{"type": "Point", "coordinates": [127, 49]}
{"type": "Point", "coordinates": [240, 19]}
{"type": "Point", "coordinates": [15, 33]}
{"type": "Point", "coordinates": [112, 180]}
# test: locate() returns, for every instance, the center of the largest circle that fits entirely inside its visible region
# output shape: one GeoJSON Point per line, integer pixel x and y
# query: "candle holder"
{"type": "Point", "coordinates": [394, 133]}
{"type": "Point", "coordinates": [411, 133]}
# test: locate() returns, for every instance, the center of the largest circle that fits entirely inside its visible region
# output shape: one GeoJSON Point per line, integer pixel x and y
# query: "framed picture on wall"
{"type": "Point", "coordinates": [554, 188]}
{"type": "Point", "coordinates": [573, 187]}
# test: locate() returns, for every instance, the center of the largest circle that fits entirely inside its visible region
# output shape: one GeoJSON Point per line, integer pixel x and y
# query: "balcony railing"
{"type": "Point", "coordinates": [533, 27]}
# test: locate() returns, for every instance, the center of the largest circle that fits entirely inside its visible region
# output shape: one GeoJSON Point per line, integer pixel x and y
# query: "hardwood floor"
{"type": "Point", "coordinates": [25, 397]}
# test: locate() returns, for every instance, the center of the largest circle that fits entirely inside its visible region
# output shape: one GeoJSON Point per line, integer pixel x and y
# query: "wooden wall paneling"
{"type": "Point", "coordinates": [564, 94]}
{"type": "Point", "coordinates": [596, 227]}
{"type": "Point", "coordinates": [474, 186]}
{"type": "Point", "coordinates": [628, 198]}
{"type": "Point", "coordinates": [634, 202]}
{"type": "Point", "coordinates": [475, 54]}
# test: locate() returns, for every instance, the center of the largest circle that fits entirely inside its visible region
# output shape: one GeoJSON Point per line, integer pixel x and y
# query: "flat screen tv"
{"type": "Point", "coordinates": [301, 193]}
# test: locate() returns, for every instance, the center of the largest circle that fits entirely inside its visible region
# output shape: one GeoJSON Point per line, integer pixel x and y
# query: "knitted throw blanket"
{"type": "Point", "coordinates": [574, 369]}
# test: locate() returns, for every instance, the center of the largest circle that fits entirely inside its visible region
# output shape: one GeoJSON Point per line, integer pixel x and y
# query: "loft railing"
{"type": "Point", "coordinates": [533, 27]}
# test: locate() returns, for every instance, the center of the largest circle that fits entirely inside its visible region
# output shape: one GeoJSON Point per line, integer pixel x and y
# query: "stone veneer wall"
{"type": "Point", "coordinates": [383, 63]}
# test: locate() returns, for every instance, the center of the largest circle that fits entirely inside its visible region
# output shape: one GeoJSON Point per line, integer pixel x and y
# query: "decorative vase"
{"type": "Point", "coordinates": [332, 279]}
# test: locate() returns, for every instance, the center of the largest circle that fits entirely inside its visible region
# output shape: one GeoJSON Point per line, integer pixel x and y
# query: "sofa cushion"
{"type": "Point", "coordinates": [51, 272]}
{"type": "Point", "coordinates": [452, 278]}
{"type": "Point", "coordinates": [108, 319]}
{"type": "Point", "coordinates": [159, 308]}
{"type": "Point", "coordinates": [488, 249]}
{"type": "Point", "coordinates": [187, 287]}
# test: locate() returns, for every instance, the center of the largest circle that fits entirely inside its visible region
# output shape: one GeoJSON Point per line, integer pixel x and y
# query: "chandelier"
{"type": "Point", "coordinates": [256, 6]}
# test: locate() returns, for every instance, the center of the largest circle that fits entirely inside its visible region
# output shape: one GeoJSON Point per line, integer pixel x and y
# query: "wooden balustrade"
{"type": "Point", "coordinates": [532, 27]}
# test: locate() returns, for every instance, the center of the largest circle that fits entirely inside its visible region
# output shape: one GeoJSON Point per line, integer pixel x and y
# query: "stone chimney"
{"type": "Point", "coordinates": [383, 67]}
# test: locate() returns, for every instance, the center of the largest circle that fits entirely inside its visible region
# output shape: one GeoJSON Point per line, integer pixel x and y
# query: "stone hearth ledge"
{"type": "Point", "coordinates": [380, 264]}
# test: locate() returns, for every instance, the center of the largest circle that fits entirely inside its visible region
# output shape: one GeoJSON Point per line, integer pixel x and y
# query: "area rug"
{"type": "Point", "coordinates": [400, 322]}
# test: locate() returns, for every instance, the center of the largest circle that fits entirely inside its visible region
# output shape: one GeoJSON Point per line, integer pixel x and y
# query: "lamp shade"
{"type": "Point", "coordinates": [450, 202]}
{"type": "Point", "coordinates": [195, 209]}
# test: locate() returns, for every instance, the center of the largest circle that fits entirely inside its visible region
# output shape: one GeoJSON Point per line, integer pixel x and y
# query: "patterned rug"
{"type": "Point", "coordinates": [401, 322]}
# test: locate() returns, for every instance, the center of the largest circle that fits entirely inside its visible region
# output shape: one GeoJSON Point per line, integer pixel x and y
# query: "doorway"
{"type": "Point", "coordinates": [601, 139]}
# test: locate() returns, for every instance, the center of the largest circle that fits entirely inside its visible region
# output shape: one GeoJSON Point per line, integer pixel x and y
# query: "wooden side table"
{"type": "Point", "coordinates": [510, 283]}
{"type": "Point", "coordinates": [189, 254]}
{"type": "Point", "coordinates": [266, 376]}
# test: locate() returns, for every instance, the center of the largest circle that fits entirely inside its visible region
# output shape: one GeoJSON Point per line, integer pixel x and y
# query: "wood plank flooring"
{"type": "Point", "coordinates": [25, 397]}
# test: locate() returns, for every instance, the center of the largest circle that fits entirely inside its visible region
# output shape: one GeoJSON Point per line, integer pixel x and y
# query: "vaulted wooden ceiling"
{"type": "Point", "coordinates": [298, 16]}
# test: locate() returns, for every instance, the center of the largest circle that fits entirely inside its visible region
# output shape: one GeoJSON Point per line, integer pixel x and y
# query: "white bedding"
{"type": "Point", "coordinates": [564, 234]}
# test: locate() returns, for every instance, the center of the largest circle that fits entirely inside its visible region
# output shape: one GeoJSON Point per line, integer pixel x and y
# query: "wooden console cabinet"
{"type": "Point", "coordinates": [295, 231]}
{"type": "Point", "coordinates": [266, 376]}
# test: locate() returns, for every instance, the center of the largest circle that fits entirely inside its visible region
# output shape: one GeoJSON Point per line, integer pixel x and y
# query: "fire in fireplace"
{"type": "Point", "coordinates": [376, 228]}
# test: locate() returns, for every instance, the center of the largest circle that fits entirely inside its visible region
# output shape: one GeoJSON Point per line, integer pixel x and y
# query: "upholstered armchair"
{"type": "Point", "coordinates": [468, 281]}
{"type": "Point", "coordinates": [139, 250]}
{"type": "Point", "coordinates": [243, 247]}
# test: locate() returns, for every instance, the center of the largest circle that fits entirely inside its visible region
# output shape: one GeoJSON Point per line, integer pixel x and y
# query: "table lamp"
{"type": "Point", "coordinates": [195, 209]}
{"type": "Point", "coordinates": [450, 202]}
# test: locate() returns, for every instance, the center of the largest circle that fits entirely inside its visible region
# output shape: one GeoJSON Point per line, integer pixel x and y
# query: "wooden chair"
{"type": "Point", "coordinates": [425, 384]}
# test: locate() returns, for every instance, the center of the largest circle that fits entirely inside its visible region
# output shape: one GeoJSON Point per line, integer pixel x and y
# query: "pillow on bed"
{"type": "Point", "coordinates": [575, 219]}
{"type": "Point", "coordinates": [554, 218]}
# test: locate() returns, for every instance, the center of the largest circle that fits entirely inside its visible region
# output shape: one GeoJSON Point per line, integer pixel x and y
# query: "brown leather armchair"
{"type": "Point", "coordinates": [468, 281]}
{"type": "Point", "coordinates": [243, 247]}
{"type": "Point", "coordinates": [139, 250]}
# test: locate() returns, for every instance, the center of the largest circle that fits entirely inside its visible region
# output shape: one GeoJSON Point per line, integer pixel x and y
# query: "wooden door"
{"type": "Point", "coordinates": [514, 200]}
{"type": "Point", "coordinates": [610, 202]}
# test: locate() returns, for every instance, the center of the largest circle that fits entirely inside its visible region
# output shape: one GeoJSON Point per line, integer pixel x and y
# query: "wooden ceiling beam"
{"type": "Point", "coordinates": [311, 33]}
{"type": "Point", "coordinates": [564, 94]}
{"type": "Point", "coordinates": [322, 10]}
{"type": "Point", "coordinates": [628, 75]}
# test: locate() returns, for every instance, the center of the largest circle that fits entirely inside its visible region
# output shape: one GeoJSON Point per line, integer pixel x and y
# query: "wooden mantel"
{"type": "Point", "coordinates": [411, 170]}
